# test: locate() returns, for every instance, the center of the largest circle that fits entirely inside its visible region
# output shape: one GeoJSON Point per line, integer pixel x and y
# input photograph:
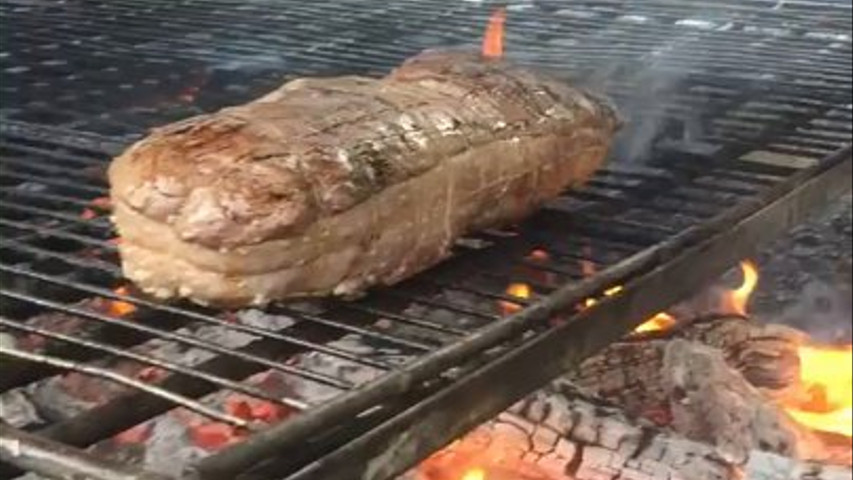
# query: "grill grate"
{"type": "Point", "coordinates": [726, 102]}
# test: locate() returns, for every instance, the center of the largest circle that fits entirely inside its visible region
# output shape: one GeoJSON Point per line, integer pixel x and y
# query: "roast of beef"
{"type": "Point", "coordinates": [333, 185]}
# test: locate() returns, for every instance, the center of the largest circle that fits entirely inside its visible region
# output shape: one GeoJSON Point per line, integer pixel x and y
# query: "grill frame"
{"type": "Point", "coordinates": [400, 393]}
{"type": "Point", "coordinates": [683, 266]}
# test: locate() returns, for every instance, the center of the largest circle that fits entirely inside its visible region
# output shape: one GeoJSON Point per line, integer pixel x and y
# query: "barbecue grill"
{"type": "Point", "coordinates": [739, 123]}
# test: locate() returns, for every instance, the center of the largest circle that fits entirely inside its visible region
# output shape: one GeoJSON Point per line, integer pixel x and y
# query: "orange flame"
{"type": "Point", "coordinates": [610, 292]}
{"type": "Point", "coordinates": [493, 40]}
{"type": "Point", "coordinates": [661, 321]}
{"type": "Point", "coordinates": [474, 474]}
{"type": "Point", "coordinates": [738, 299]}
{"type": "Point", "coordinates": [118, 308]}
{"type": "Point", "coordinates": [826, 373]}
{"type": "Point", "coordinates": [517, 290]}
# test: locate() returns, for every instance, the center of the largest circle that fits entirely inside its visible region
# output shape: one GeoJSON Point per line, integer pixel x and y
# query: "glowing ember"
{"type": "Point", "coordinates": [249, 408]}
{"type": "Point", "coordinates": [494, 38]}
{"type": "Point", "coordinates": [117, 308]}
{"type": "Point", "coordinates": [518, 290]}
{"type": "Point", "coordinates": [613, 291]}
{"type": "Point", "coordinates": [214, 436]}
{"type": "Point", "coordinates": [738, 299]}
{"type": "Point", "coordinates": [134, 435]}
{"type": "Point", "coordinates": [474, 474]}
{"type": "Point", "coordinates": [661, 321]}
{"type": "Point", "coordinates": [88, 214]}
{"type": "Point", "coordinates": [827, 376]}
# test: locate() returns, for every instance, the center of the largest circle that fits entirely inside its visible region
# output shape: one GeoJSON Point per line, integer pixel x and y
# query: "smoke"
{"type": "Point", "coordinates": [821, 310]}
{"type": "Point", "coordinates": [653, 82]}
{"type": "Point", "coordinates": [645, 89]}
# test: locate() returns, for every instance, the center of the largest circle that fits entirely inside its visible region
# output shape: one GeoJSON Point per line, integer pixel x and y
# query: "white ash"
{"type": "Point", "coordinates": [315, 393]}
{"type": "Point", "coordinates": [806, 279]}
{"type": "Point", "coordinates": [260, 319]}
{"type": "Point", "coordinates": [822, 309]}
{"type": "Point", "coordinates": [633, 19]}
{"type": "Point", "coordinates": [573, 13]}
{"type": "Point", "coordinates": [520, 6]}
{"type": "Point", "coordinates": [18, 410]}
{"type": "Point", "coordinates": [31, 187]}
{"type": "Point", "coordinates": [833, 36]}
{"type": "Point", "coordinates": [767, 466]}
{"type": "Point", "coordinates": [54, 399]}
{"type": "Point", "coordinates": [697, 23]}
{"type": "Point", "coordinates": [169, 450]}
{"type": "Point", "coordinates": [772, 31]}
{"type": "Point", "coordinates": [440, 317]}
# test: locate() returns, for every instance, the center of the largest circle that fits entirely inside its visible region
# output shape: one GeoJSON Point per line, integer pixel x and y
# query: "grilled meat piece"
{"type": "Point", "coordinates": [331, 185]}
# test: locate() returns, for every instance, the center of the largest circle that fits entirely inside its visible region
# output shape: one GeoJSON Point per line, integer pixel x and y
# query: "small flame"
{"type": "Point", "coordinates": [613, 291]}
{"type": "Point", "coordinates": [610, 292]}
{"type": "Point", "coordinates": [826, 373]}
{"type": "Point", "coordinates": [661, 321]}
{"type": "Point", "coordinates": [474, 474]}
{"type": "Point", "coordinates": [738, 299]}
{"type": "Point", "coordinates": [118, 308]}
{"type": "Point", "coordinates": [517, 290]}
{"type": "Point", "coordinates": [494, 37]}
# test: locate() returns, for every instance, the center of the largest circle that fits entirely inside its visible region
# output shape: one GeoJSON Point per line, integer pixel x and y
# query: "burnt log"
{"type": "Point", "coordinates": [629, 373]}
{"type": "Point", "coordinates": [696, 402]}
{"type": "Point", "coordinates": [559, 433]}
{"type": "Point", "coordinates": [716, 381]}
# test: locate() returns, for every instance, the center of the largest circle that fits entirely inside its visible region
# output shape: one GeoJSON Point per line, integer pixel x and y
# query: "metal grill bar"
{"type": "Point", "coordinates": [462, 26]}
{"type": "Point", "coordinates": [30, 451]}
{"type": "Point", "coordinates": [150, 361]}
{"type": "Point", "coordinates": [171, 336]}
{"type": "Point", "coordinates": [679, 272]}
{"type": "Point", "coordinates": [255, 331]}
{"type": "Point", "coordinates": [126, 381]}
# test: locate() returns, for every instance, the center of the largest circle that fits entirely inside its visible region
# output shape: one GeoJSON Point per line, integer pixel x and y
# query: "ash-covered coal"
{"type": "Point", "coordinates": [19, 410]}
{"type": "Point", "coordinates": [313, 393]}
{"type": "Point", "coordinates": [806, 276]}
{"type": "Point", "coordinates": [61, 397]}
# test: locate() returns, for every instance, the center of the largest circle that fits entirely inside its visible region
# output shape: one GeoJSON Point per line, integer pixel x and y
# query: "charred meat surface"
{"type": "Point", "coordinates": [333, 185]}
